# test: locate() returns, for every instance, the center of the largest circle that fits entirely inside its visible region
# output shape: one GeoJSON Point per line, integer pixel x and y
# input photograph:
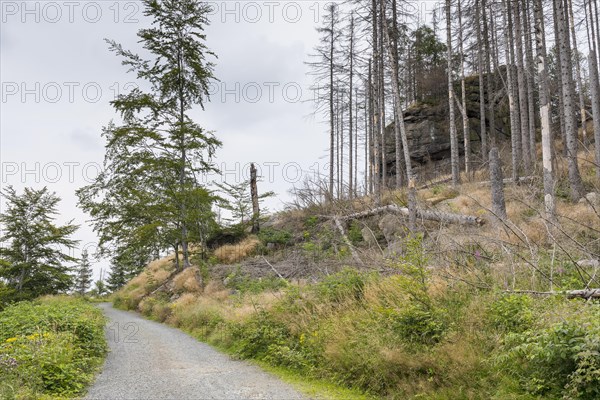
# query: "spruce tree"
{"type": "Point", "coordinates": [34, 261]}
{"type": "Point", "coordinates": [149, 193]}
{"type": "Point", "coordinates": [83, 274]}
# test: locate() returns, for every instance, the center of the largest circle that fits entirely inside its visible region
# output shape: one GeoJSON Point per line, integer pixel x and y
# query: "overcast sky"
{"type": "Point", "coordinates": [58, 78]}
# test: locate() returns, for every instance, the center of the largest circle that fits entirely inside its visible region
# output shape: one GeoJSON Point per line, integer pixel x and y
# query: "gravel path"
{"type": "Point", "coordinates": [148, 360]}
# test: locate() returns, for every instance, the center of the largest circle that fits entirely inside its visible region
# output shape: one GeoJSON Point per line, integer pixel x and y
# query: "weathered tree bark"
{"type": "Point", "coordinates": [371, 120]}
{"type": "Point", "coordinates": [515, 135]}
{"type": "Point", "coordinates": [490, 79]}
{"type": "Point", "coordinates": [463, 86]}
{"type": "Point", "coordinates": [594, 87]}
{"type": "Point", "coordinates": [368, 126]}
{"type": "Point", "coordinates": [561, 104]}
{"type": "Point", "coordinates": [498, 204]}
{"type": "Point", "coordinates": [412, 192]}
{"type": "Point", "coordinates": [381, 76]}
{"type": "Point", "coordinates": [254, 196]}
{"type": "Point", "coordinates": [337, 143]}
{"type": "Point", "coordinates": [356, 142]}
{"type": "Point", "coordinates": [575, 182]}
{"type": "Point", "coordinates": [454, 162]}
{"type": "Point", "coordinates": [331, 109]}
{"type": "Point", "coordinates": [435, 216]}
{"type": "Point", "coordinates": [341, 149]}
{"type": "Point", "coordinates": [530, 79]}
{"type": "Point", "coordinates": [522, 90]}
{"type": "Point", "coordinates": [579, 81]}
{"type": "Point", "coordinates": [350, 117]}
{"type": "Point", "coordinates": [544, 90]}
{"type": "Point", "coordinates": [376, 100]}
{"type": "Point", "coordinates": [480, 68]}
{"type": "Point", "coordinates": [397, 135]}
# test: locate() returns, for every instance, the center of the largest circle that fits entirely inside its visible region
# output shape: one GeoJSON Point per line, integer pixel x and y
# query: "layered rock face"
{"type": "Point", "coordinates": [428, 132]}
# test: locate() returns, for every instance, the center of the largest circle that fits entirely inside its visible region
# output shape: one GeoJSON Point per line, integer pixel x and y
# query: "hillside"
{"type": "Point", "coordinates": [451, 311]}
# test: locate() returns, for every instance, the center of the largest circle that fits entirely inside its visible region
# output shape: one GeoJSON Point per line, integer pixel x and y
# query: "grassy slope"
{"type": "Point", "coordinates": [437, 324]}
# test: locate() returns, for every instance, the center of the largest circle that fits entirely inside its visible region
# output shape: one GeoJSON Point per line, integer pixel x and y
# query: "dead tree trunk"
{"type": "Point", "coordinates": [594, 84]}
{"type": "Point", "coordinates": [569, 109]}
{"type": "Point", "coordinates": [480, 67]}
{"type": "Point", "coordinates": [453, 137]}
{"type": "Point", "coordinates": [530, 79]}
{"type": "Point", "coordinates": [465, 117]}
{"type": "Point", "coordinates": [254, 195]}
{"type": "Point", "coordinates": [522, 90]}
{"type": "Point", "coordinates": [412, 196]}
{"type": "Point", "coordinates": [448, 218]}
{"type": "Point", "coordinates": [540, 38]}
{"type": "Point", "coordinates": [515, 135]}
{"type": "Point", "coordinates": [578, 73]}
{"type": "Point", "coordinates": [497, 179]}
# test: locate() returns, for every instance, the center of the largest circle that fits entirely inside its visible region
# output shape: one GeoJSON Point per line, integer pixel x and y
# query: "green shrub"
{"type": "Point", "coordinates": [355, 233]}
{"type": "Point", "coordinates": [417, 324]}
{"type": "Point", "coordinates": [348, 283]}
{"type": "Point", "coordinates": [245, 284]}
{"type": "Point", "coordinates": [511, 313]}
{"type": "Point", "coordinates": [256, 336]}
{"type": "Point", "coordinates": [50, 347]}
{"type": "Point", "coordinates": [271, 235]}
{"type": "Point", "coordinates": [557, 360]}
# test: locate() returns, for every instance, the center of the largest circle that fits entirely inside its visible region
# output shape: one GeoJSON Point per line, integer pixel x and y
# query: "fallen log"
{"type": "Point", "coordinates": [423, 214]}
{"type": "Point", "coordinates": [571, 294]}
{"type": "Point", "coordinates": [346, 240]}
{"type": "Point", "coordinates": [507, 181]}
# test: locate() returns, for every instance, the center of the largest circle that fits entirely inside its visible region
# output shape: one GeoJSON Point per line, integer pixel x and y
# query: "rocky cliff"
{"type": "Point", "coordinates": [428, 132]}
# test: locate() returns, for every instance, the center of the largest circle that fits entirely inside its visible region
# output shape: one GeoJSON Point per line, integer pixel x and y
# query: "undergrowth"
{"type": "Point", "coordinates": [50, 348]}
{"type": "Point", "coordinates": [399, 336]}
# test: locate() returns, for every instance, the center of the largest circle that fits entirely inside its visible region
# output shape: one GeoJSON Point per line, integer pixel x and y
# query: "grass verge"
{"type": "Point", "coordinates": [50, 348]}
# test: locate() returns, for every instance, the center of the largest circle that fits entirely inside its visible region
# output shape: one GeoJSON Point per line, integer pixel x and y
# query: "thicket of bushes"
{"type": "Point", "coordinates": [50, 348]}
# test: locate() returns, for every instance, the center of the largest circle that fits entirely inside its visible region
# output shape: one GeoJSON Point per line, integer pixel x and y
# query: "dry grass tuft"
{"type": "Point", "coordinates": [188, 281]}
{"type": "Point", "coordinates": [233, 253]}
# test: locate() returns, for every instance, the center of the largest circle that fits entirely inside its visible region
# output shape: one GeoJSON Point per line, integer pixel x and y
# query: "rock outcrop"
{"type": "Point", "coordinates": [428, 133]}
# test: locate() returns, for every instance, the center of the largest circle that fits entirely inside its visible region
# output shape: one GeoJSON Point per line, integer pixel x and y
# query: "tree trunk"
{"type": "Point", "coordinates": [497, 180]}
{"type": "Point", "coordinates": [412, 204]}
{"type": "Point", "coordinates": [561, 103]}
{"type": "Point", "coordinates": [490, 79]}
{"type": "Point", "coordinates": [579, 82]}
{"type": "Point", "coordinates": [331, 108]}
{"type": "Point", "coordinates": [483, 133]}
{"type": "Point", "coordinates": [384, 176]}
{"type": "Point", "coordinates": [254, 196]}
{"type": "Point", "coordinates": [522, 90]}
{"type": "Point", "coordinates": [442, 217]}
{"type": "Point", "coordinates": [594, 84]}
{"type": "Point", "coordinates": [376, 107]}
{"type": "Point", "coordinates": [367, 135]}
{"type": "Point", "coordinates": [465, 117]}
{"type": "Point", "coordinates": [397, 134]}
{"type": "Point", "coordinates": [544, 112]}
{"type": "Point", "coordinates": [569, 109]}
{"type": "Point", "coordinates": [350, 112]}
{"type": "Point", "coordinates": [454, 155]}
{"type": "Point", "coordinates": [355, 143]}
{"type": "Point", "coordinates": [515, 135]}
{"type": "Point", "coordinates": [530, 79]}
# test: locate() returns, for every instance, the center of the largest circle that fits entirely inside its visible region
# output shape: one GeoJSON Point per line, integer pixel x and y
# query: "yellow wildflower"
{"type": "Point", "coordinates": [10, 340]}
